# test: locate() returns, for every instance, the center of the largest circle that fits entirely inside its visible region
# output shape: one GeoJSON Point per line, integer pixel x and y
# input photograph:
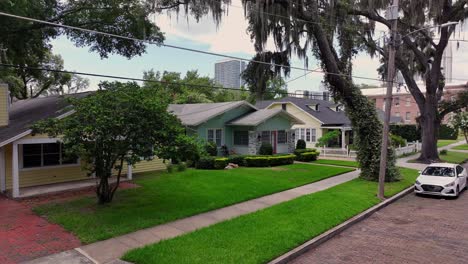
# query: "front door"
{"type": "Point", "coordinates": [274, 141]}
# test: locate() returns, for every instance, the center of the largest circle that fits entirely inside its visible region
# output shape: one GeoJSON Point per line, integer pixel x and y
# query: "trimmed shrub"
{"type": "Point", "coordinates": [408, 132]}
{"type": "Point", "coordinates": [220, 163]}
{"type": "Point", "coordinates": [281, 160]}
{"type": "Point", "coordinates": [397, 141]}
{"type": "Point", "coordinates": [211, 148]}
{"type": "Point", "coordinates": [224, 151]}
{"type": "Point", "coordinates": [308, 156]}
{"type": "Point", "coordinates": [182, 166]}
{"type": "Point", "coordinates": [237, 159]}
{"type": "Point", "coordinates": [447, 132]}
{"type": "Point", "coordinates": [265, 149]}
{"type": "Point", "coordinates": [299, 151]}
{"type": "Point", "coordinates": [206, 163]}
{"type": "Point", "coordinates": [170, 168]}
{"type": "Point", "coordinates": [259, 161]}
{"type": "Point", "coordinates": [443, 152]}
{"type": "Point", "coordinates": [301, 144]}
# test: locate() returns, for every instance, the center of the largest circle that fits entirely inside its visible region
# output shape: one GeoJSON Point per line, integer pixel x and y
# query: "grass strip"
{"type": "Point", "coordinates": [261, 236]}
{"type": "Point", "coordinates": [345, 163]}
{"type": "Point", "coordinates": [455, 157]}
{"type": "Point", "coordinates": [462, 147]}
{"type": "Point", "coordinates": [165, 197]}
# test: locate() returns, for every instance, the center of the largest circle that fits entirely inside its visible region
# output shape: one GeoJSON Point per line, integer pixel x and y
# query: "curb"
{"type": "Point", "coordinates": [317, 241]}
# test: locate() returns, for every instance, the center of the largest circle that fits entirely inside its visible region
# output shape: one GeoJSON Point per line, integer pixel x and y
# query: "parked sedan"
{"type": "Point", "coordinates": [444, 179]}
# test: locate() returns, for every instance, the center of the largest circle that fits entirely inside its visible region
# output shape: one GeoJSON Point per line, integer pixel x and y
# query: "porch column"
{"type": "Point", "coordinates": [343, 139]}
{"type": "Point", "coordinates": [15, 170]}
{"type": "Point", "coordinates": [129, 172]}
{"type": "Point", "coordinates": [2, 170]}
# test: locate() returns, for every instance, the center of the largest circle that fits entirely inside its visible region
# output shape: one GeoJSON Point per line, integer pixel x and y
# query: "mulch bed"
{"type": "Point", "coordinates": [69, 195]}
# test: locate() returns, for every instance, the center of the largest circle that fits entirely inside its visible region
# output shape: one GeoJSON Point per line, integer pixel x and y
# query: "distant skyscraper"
{"type": "Point", "coordinates": [228, 73]}
{"type": "Point", "coordinates": [447, 61]}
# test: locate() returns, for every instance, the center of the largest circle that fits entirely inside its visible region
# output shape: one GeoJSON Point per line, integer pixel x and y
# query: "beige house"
{"type": "Point", "coordinates": [319, 117]}
{"type": "Point", "coordinates": [28, 161]}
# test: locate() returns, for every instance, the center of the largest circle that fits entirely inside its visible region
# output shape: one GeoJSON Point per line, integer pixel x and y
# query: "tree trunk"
{"type": "Point", "coordinates": [430, 124]}
{"type": "Point", "coordinates": [104, 190]}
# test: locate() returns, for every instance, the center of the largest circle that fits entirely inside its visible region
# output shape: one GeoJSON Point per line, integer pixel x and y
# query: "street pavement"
{"type": "Point", "coordinates": [414, 229]}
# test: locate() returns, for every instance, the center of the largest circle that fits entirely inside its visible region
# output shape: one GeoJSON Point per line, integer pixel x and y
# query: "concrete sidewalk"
{"type": "Point", "coordinates": [110, 250]}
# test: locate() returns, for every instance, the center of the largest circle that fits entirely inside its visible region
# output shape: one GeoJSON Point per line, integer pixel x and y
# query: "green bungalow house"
{"type": "Point", "coordinates": [238, 125]}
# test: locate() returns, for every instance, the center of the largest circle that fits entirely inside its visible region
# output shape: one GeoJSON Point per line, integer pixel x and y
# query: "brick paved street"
{"type": "Point", "coordinates": [412, 230]}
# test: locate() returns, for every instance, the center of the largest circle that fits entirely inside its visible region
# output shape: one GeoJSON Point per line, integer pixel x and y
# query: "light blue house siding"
{"type": "Point", "coordinates": [219, 122]}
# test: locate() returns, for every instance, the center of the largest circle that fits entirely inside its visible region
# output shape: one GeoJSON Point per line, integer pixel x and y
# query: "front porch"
{"type": "Point", "coordinates": [343, 141]}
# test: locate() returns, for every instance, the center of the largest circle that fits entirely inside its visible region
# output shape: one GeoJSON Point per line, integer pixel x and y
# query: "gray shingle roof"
{"type": "Point", "coordinates": [25, 113]}
{"type": "Point", "coordinates": [195, 114]}
{"type": "Point", "coordinates": [327, 116]}
{"type": "Point", "coordinates": [324, 114]}
{"type": "Point", "coordinates": [257, 117]}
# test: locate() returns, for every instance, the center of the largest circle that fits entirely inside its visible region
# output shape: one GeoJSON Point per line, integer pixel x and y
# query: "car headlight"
{"type": "Point", "coordinates": [450, 184]}
{"type": "Point", "coordinates": [418, 183]}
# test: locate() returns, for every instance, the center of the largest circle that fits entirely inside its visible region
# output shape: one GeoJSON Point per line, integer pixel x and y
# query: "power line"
{"type": "Point", "coordinates": [181, 48]}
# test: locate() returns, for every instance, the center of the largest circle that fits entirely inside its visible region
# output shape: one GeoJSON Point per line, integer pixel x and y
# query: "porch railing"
{"type": "Point", "coordinates": [411, 147]}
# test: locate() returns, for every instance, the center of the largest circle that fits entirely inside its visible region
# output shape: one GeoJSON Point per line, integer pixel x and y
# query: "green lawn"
{"type": "Point", "coordinates": [166, 197]}
{"type": "Point", "coordinates": [445, 142]}
{"type": "Point", "coordinates": [345, 163]}
{"type": "Point", "coordinates": [462, 147]}
{"type": "Point", "coordinates": [455, 157]}
{"type": "Point", "coordinates": [261, 236]}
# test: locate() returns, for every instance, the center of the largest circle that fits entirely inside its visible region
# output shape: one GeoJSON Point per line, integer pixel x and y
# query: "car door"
{"type": "Point", "coordinates": [463, 179]}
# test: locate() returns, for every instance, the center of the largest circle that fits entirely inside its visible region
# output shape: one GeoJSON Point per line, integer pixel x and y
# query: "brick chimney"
{"type": "Point", "coordinates": [4, 105]}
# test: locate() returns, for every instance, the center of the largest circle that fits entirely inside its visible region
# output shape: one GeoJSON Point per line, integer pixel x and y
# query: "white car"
{"type": "Point", "coordinates": [444, 179]}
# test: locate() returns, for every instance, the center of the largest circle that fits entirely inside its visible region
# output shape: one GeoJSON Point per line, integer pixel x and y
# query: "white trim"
{"type": "Point", "coordinates": [27, 141]}
{"type": "Point", "coordinates": [15, 171]}
{"type": "Point", "coordinates": [129, 172]}
{"type": "Point", "coordinates": [2, 170]}
{"type": "Point", "coordinates": [313, 117]}
{"type": "Point", "coordinates": [29, 131]}
{"type": "Point", "coordinates": [240, 103]}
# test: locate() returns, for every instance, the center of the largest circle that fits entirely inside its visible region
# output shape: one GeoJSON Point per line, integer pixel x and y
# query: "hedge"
{"type": "Point", "coordinates": [237, 159]}
{"type": "Point", "coordinates": [299, 151]}
{"type": "Point", "coordinates": [221, 163]}
{"type": "Point", "coordinates": [307, 156]}
{"type": "Point", "coordinates": [408, 132]}
{"type": "Point", "coordinates": [447, 132]}
{"type": "Point", "coordinates": [206, 163]}
{"type": "Point", "coordinates": [266, 161]}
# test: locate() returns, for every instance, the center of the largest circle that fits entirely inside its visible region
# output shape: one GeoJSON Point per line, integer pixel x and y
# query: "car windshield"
{"type": "Point", "coordinates": [439, 171]}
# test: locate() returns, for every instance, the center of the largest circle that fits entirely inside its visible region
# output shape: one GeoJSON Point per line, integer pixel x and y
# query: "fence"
{"type": "Point", "coordinates": [411, 147]}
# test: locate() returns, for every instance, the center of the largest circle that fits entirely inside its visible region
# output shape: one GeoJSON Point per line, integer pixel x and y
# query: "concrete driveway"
{"type": "Point", "coordinates": [412, 230]}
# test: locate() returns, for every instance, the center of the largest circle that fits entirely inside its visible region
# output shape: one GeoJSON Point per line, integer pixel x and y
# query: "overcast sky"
{"type": "Point", "coordinates": [230, 38]}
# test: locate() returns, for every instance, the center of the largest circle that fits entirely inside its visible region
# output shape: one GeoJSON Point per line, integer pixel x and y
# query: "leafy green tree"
{"type": "Point", "coordinates": [119, 124]}
{"type": "Point", "coordinates": [328, 138]}
{"type": "Point", "coordinates": [28, 44]}
{"type": "Point", "coordinates": [460, 123]}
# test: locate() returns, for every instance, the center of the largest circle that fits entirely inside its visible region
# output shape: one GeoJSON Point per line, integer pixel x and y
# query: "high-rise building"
{"type": "Point", "coordinates": [228, 73]}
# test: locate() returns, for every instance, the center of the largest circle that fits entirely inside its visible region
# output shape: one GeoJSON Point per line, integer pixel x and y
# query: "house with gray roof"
{"type": "Point", "coordinates": [318, 117]}
{"type": "Point", "coordinates": [239, 126]}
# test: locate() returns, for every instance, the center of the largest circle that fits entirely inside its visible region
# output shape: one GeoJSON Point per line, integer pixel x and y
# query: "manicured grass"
{"type": "Point", "coordinates": [455, 157]}
{"type": "Point", "coordinates": [261, 236]}
{"type": "Point", "coordinates": [345, 163]}
{"type": "Point", "coordinates": [445, 142]}
{"type": "Point", "coordinates": [462, 147]}
{"type": "Point", "coordinates": [166, 197]}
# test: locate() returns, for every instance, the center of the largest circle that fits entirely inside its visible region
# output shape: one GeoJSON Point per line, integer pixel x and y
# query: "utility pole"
{"type": "Point", "coordinates": [392, 14]}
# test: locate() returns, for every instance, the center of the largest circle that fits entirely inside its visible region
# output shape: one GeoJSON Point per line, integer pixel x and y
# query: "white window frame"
{"type": "Point", "coordinates": [285, 135]}
{"type": "Point", "coordinates": [406, 116]}
{"type": "Point", "coordinates": [42, 167]}
{"type": "Point", "coordinates": [214, 135]}
{"type": "Point", "coordinates": [313, 135]}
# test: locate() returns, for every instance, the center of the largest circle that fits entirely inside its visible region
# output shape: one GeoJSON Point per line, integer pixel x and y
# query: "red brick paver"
{"type": "Point", "coordinates": [25, 236]}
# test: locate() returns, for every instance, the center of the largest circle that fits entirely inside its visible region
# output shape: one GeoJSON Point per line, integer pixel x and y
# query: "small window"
{"type": "Point", "coordinates": [313, 133]}
{"type": "Point", "coordinates": [32, 155]}
{"type": "Point", "coordinates": [408, 116]}
{"type": "Point", "coordinates": [266, 137]}
{"type": "Point", "coordinates": [216, 136]}
{"type": "Point", "coordinates": [282, 137]}
{"type": "Point", "coordinates": [459, 170]}
{"type": "Point", "coordinates": [408, 101]}
{"type": "Point", "coordinates": [308, 134]}
{"type": "Point", "coordinates": [241, 138]}
{"type": "Point", "coordinates": [397, 101]}
{"type": "Point", "coordinates": [302, 134]}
